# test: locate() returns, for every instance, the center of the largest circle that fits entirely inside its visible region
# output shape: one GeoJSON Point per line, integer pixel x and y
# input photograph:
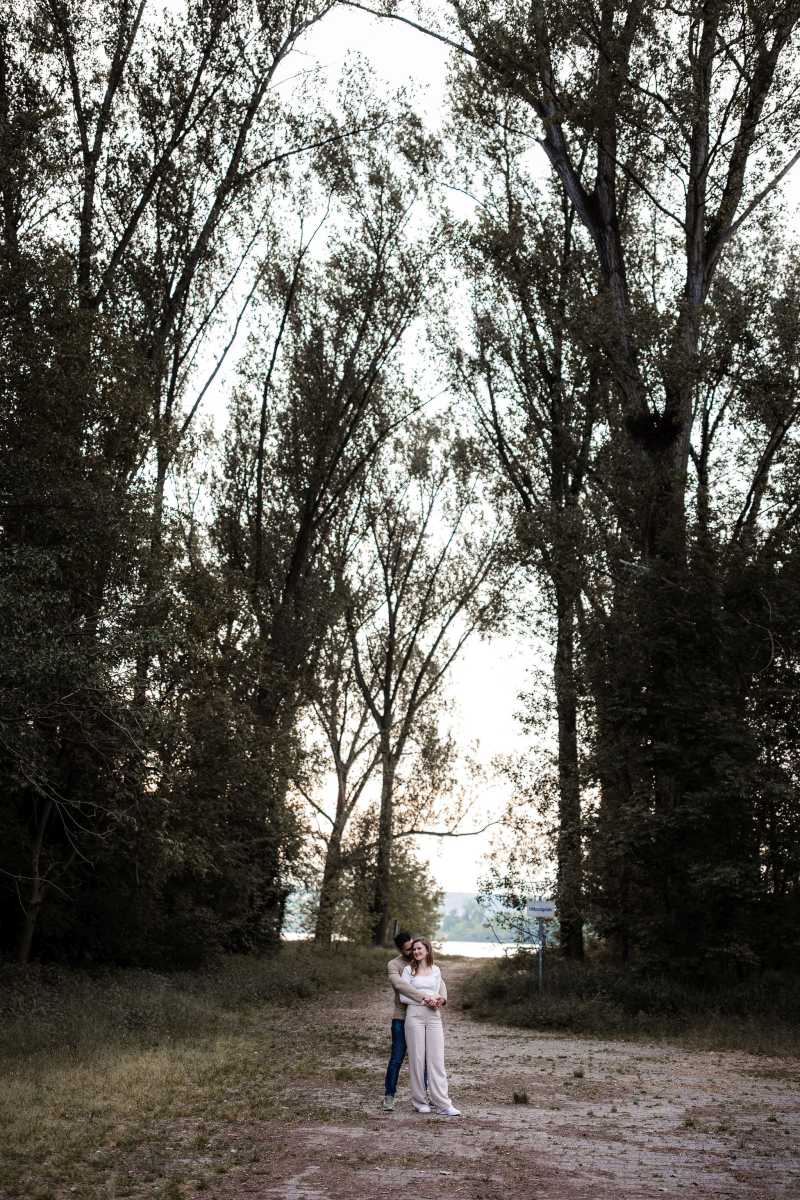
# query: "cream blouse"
{"type": "Point", "coordinates": [429, 984]}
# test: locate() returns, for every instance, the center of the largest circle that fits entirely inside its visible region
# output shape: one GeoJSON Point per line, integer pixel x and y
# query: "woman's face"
{"type": "Point", "coordinates": [420, 951]}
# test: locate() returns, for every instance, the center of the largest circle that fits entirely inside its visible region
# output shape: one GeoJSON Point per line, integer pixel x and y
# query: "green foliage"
{"type": "Point", "coordinates": [163, 601]}
{"type": "Point", "coordinates": [465, 924]}
{"type": "Point", "coordinates": [648, 446]}
{"type": "Point", "coordinates": [105, 298]}
{"type": "Point", "coordinates": [50, 1009]}
{"type": "Point", "coordinates": [600, 998]}
{"type": "Point", "coordinates": [415, 899]}
{"type": "Point", "coordinates": [158, 649]}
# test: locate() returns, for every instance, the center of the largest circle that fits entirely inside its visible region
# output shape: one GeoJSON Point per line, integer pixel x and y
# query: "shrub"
{"type": "Point", "coordinates": [597, 997]}
{"type": "Point", "coordinates": [49, 1008]}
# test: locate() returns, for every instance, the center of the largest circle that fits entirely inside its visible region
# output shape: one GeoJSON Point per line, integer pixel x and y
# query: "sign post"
{"type": "Point", "coordinates": [542, 911]}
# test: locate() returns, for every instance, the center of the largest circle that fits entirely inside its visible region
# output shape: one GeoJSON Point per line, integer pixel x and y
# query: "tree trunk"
{"type": "Point", "coordinates": [275, 712]}
{"type": "Point", "coordinates": [328, 895]}
{"type": "Point", "coordinates": [383, 870]}
{"type": "Point", "coordinates": [153, 572]}
{"type": "Point", "coordinates": [610, 860]}
{"type": "Point", "coordinates": [38, 888]}
{"type": "Point", "coordinates": [569, 889]}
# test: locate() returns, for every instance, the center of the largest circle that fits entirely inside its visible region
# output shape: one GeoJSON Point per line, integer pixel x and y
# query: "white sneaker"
{"type": "Point", "coordinates": [448, 1112]}
{"type": "Point", "coordinates": [423, 1108]}
{"type": "Point", "coordinates": [388, 1103]}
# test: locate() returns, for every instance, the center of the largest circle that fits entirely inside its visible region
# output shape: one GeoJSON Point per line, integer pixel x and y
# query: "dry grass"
{"type": "Point", "coordinates": [129, 1084]}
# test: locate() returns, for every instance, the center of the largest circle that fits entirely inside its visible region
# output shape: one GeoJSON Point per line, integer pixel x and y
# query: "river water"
{"type": "Point", "coordinates": [479, 949]}
{"type": "Point", "coordinates": [462, 949]}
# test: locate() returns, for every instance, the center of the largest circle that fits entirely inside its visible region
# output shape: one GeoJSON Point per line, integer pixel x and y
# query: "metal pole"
{"type": "Point", "coordinates": [542, 937]}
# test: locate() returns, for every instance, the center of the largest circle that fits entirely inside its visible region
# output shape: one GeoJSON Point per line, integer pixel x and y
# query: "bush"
{"type": "Point", "coordinates": [44, 1009]}
{"type": "Point", "coordinates": [602, 998]}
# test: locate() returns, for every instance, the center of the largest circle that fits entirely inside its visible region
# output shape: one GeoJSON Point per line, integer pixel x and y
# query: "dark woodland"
{"type": "Point", "coordinates": [300, 395]}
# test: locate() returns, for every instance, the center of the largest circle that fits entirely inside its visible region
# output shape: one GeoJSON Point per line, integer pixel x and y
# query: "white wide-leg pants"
{"type": "Point", "coordinates": [425, 1042]}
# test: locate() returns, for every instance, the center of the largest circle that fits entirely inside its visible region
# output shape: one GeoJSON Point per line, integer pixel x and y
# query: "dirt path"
{"type": "Point", "coordinates": [605, 1119]}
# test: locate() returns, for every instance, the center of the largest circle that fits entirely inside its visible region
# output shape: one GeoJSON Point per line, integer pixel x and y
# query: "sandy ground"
{"type": "Point", "coordinates": [605, 1119]}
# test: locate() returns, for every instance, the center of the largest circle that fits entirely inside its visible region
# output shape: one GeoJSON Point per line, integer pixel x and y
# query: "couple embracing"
{"type": "Point", "coordinates": [420, 993]}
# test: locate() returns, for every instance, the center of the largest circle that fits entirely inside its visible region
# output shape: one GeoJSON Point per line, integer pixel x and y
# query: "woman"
{"type": "Point", "coordinates": [424, 1034]}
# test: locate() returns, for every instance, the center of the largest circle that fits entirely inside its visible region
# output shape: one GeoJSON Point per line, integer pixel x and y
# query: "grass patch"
{"type": "Point", "coordinates": [53, 1009]}
{"type": "Point", "coordinates": [759, 1016]}
{"type": "Point", "coordinates": [110, 1078]}
{"type": "Point", "coordinates": [349, 1074]}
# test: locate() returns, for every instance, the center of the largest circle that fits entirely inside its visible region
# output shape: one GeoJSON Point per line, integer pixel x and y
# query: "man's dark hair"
{"type": "Point", "coordinates": [401, 937]}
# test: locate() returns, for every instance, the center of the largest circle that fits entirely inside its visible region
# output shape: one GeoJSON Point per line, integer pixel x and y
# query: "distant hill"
{"type": "Point", "coordinates": [463, 919]}
{"type": "Point", "coordinates": [453, 901]}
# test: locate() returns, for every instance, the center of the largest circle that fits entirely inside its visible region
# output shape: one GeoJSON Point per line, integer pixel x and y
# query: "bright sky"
{"type": "Point", "coordinates": [484, 686]}
{"type": "Point", "coordinates": [398, 54]}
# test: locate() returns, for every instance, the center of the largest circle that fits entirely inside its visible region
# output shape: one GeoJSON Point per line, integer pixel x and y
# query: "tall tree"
{"type": "Point", "coordinates": [342, 714]}
{"type": "Point", "coordinates": [432, 582]}
{"type": "Point", "coordinates": [117, 261]}
{"type": "Point", "coordinates": [316, 405]}
{"type": "Point", "coordinates": [668, 159]}
{"type": "Point", "coordinates": [530, 372]}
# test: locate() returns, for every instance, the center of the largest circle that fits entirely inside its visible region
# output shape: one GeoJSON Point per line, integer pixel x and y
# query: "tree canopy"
{"type": "Point", "coordinates": [282, 428]}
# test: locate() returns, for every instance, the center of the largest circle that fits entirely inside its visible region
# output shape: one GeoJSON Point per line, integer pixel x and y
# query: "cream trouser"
{"type": "Point", "coordinates": [425, 1041]}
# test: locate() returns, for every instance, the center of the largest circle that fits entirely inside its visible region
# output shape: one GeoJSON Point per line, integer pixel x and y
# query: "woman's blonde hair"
{"type": "Point", "coordinates": [429, 954]}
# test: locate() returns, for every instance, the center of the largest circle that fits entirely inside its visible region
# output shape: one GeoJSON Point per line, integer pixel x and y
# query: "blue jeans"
{"type": "Point", "coordinates": [397, 1056]}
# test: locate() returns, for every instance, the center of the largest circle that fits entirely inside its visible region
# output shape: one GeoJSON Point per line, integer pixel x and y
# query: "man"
{"type": "Point", "coordinates": [404, 941]}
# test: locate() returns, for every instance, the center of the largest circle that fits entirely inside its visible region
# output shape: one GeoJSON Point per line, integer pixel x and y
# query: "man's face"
{"type": "Point", "coordinates": [406, 950]}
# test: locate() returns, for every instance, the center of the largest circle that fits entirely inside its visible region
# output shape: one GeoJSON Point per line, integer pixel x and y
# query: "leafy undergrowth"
{"type": "Point", "coordinates": [758, 1015]}
{"type": "Point", "coordinates": [110, 1078]}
